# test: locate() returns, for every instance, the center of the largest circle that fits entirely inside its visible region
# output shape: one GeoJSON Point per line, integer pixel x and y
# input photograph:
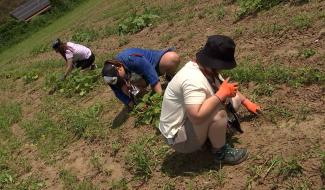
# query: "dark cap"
{"type": "Point", "coordinates": [56, 43]}
{"type": "Point", "coordinates": [110, 74]}
{"type": "Point", "coordinates": [218, 53]}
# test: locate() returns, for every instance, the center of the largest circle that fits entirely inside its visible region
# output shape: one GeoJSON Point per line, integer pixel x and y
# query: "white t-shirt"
{"type": "Point", "coordinates": [189, 86]}
{"type": "Point", "coordinates": [78, 52]}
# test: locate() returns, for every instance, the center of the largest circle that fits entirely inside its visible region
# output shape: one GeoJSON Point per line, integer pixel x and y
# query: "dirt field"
{"type": "Point", "coordinates": [88, 142]}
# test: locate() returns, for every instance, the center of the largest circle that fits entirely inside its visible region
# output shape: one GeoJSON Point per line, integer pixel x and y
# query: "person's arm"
{"type": "Point", "coordinates": [157, 88]}
{"type": "Point", "coordinates": [198, 113]}
{"type": "Point", "coordinates": [142, 66]}
{"type": "Point", "coordinates": [122, 96]}
{"type": "Point", "coordinates": [69, 67]}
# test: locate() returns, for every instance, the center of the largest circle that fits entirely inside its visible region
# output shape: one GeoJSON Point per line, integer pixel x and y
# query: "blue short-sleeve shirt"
{"type": "Point", "coordinates": [143, 62]}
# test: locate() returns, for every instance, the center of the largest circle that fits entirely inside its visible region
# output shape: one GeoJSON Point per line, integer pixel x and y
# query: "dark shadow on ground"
{"type": "Point", "coordinates": [121, 117]}
{"type": "Point", "coordinates": [247, 117]}
{"type": "Point", "coordinates": [177, 164]}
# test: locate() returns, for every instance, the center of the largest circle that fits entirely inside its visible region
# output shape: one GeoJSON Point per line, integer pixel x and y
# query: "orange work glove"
{"type": "Point", "coordinates": [226, 90]}
{"type": "Point", "coordinates": [254, 108]}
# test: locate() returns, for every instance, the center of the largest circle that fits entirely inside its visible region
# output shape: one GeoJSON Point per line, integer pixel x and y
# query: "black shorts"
{"type": "Point", "coordinates": [83, 64]}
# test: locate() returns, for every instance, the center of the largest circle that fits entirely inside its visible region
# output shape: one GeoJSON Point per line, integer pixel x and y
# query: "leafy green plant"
{"type": "Point", "coordinates": [30, 77]}
{"type": "Point", "coordinates": [135, 23]}
{"type": "Point", "coordinates": [306, 53]}
{"type": "Point", "coordinates": [85, 35]}
{"type": "Point", "coordinates": [140, 158]}
{"type": "Point", "coordinates": [40, 49]}
{"type": "Point", "coordinates": [76, 83]}
{"type": "Point", "coordinates": [148, 110]}
{"type": "Point", "coordinates": [84, 123]}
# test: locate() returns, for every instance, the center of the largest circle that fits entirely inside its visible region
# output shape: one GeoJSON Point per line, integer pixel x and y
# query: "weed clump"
{"type": "Point", "coordinates": [85, 35]}
{"type": "Point", "coordinates": [148, 110]}
{"type": "Point", "coordinates": [135, 23]}
{"type": "Point", "coordinates": [140, 158]}
{"type": "Point", "coordinates": [78, 82]}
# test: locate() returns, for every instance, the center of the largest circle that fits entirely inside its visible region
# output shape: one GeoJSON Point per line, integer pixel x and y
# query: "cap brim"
{"type": "Point", "coordinates": [213, 63]}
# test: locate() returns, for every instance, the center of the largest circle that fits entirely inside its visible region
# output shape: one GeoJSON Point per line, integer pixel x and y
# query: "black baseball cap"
{"type": "Point", "coordinates": [218, 53]}
{"type": "Point", "coordinates": [56, 43]}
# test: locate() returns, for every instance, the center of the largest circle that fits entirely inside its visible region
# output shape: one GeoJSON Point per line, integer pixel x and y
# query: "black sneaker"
{"type": "Point", "coordinates": [231, 156]}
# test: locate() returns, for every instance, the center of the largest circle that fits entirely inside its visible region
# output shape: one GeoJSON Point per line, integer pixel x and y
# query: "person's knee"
{"type": "Point", "coordinates": [236, 102]}
{"type": "Point", "coordinates": [220, 119]}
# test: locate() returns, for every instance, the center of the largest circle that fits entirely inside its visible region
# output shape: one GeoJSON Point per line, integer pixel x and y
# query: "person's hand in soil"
{"type": "Point", "coordinates": [252, 107]}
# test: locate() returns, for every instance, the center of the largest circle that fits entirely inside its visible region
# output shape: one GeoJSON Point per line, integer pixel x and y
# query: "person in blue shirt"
{"type": "Point", "coordinates": [139, 67]}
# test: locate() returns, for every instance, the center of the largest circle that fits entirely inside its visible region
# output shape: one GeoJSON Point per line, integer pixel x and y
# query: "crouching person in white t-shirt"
{"type": "Point", "coordinates": [75, 56]}
{"type": "Point", "coordinates": [193, 108]}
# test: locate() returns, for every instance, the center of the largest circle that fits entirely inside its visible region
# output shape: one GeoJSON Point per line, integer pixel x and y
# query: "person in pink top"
{"type": "Point", "coordinates": [75, 56]}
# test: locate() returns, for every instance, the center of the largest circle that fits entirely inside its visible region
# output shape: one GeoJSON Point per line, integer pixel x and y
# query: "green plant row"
{"type": "Point", "coordinates": [78, 82]}
{"type": "Point", "coordinates": [248, 7]}
{"type": "Point", "coordinates": [275, 74]}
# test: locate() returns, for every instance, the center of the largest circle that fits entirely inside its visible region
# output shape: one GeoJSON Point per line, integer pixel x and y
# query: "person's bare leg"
{"type": "Point", "coordinates": [217, 130]}
{"type": "Point", "coordinates": [237, 100]}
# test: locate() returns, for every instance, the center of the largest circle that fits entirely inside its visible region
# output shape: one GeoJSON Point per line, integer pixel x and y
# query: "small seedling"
{"type": "Point", "coordinates": [121, 184]}
{"type": "Point", "coordinates": [306, 53]}
{"type": "Point", "coordinates": [30, 77]}
{"type": "Point", "coordinates": [290, 168]}
{"type": "Point", "coordinates": [301, 21]}
{"type": "Point", "coordinates": [115, 147]}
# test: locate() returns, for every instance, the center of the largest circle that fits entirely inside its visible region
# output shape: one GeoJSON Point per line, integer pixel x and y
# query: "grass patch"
{"type": "Point", "coordinates": [290, 168]}
{"type": "Point", "coordinates": [71, 182]}
{"type": "Point", "coordinates": [301, 22]}
{"type": "Point", "coordinates": [147, 112]}
{"type": "Point", "coordinates": [47, 134]}
{"type": "Point", "coordinates": [248, 7]}
{"type": "Point", "coordinates": [85, 123]}
{"type": "Point", "coordinates": [121, 184]}
{"type": "Point", "coordinates": [275, 74]}
{"type": "Point", "coordinates": [10, 113]}
{"type": "Point", "coordinates": [274, 112]}
{"type": "Point", "coordinates": [140, 158]}
{"type": "Point", "coordinates": [322, 167]}
{"type": "Point", "coordinates": [306, 53]}
{"type": "Point", "coordinates": [263, 90]}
